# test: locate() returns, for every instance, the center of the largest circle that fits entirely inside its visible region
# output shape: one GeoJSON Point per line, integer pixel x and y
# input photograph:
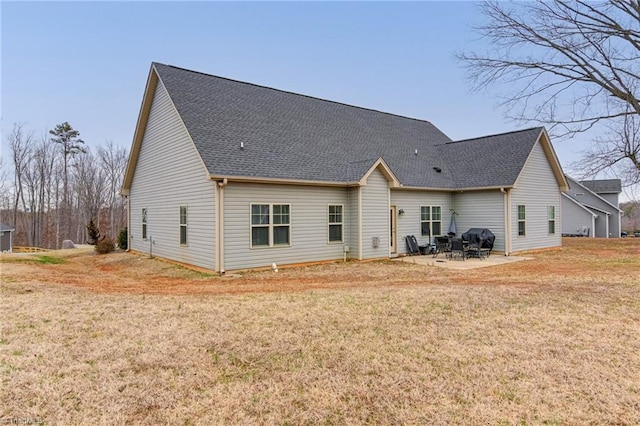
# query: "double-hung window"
{"type": "Point", "coordinates": [270, 225]}
{"type": "Point", "coordinates": [144, 224]}
{"type": "Point", "coordinates": [335, 224]}
{"type": "Point", "coordinates": [183, 225]}
{"type": "Point", "coordinates": [551, 218]}
{"type": "Point", "coordinates": [430, 221]}
{"type": "Point", "coordinates": [522, 221]}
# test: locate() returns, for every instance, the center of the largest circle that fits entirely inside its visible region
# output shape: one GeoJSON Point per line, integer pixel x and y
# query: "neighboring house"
{"type": "Point", "coordinates": [591, 208]}
{"type": "Point", "coordinates": [6, 238]}
{"type": "Point", "coordinates": [229, 175]}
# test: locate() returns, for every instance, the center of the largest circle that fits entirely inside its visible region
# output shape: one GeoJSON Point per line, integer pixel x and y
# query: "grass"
{"type": "Point", "coordinates": [41, 259]}
{"type": "Point", "coordinates": [124, 339]}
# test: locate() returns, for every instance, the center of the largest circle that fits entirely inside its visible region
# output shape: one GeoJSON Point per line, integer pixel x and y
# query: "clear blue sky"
{"type": "Point", "coordinates": [87, 62]}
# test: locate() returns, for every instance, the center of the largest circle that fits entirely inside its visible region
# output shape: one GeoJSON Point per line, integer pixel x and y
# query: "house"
{"type": "Point", "coordinates": [228, 175]}
{"type": "Point", "coordinates": [591, 208]}
{"type": "Point", "coordinates": [6, 238]}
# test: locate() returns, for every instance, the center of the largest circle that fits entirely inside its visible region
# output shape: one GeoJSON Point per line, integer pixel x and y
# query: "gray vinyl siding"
{"type": "Point", "coordinates": [352, 209]}
{"type": "Point", "coordinates": [170, 174]}
{"type": "Point", "coordinates": [612, 199]}
{"type": "Point", "coordinates": [615, 227]}
{"type": "Point", "coordinates": [536, 189]}
{"type": "Point", "coordinates": [601, 225]}
{"type": "Point", "coordinates": [574, 218]}
{"type": "Point", "coordinates": [409, 222]}
{"type": "Point", "coordinates": [309, 239]}
{"type": "Point", "coordinates": [481, 209]}
{"type": "Point", "coordinates": [599, 205]}
{"type": "Point", "coordinates": [375, 216]}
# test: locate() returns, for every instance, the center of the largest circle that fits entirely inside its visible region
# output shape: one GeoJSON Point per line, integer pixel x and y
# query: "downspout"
{"type": "Point", "coordinates": [395, 219]}
{"type": "Point", "coordinates": [126, 197]}
{"type": "Point", "coordinates": [359, 223]}
{"type": "Point", "coordinates": [607, 225]}
{"type": "Point", "coordinates": [220, 225]}
{"type": "Point", "coordinates": [507, 221]}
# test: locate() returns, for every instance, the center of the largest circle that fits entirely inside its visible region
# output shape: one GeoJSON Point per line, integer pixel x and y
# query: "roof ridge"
{"type": "Point", "coordinates": [496, 134]}
{"type": "Point", "coordinates": [296, 94]}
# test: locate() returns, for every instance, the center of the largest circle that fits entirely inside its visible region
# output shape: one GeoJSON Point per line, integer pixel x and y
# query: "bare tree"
{"type": "Point", "coordinates": [113, 161]}
{"type": "Point", "coordinates": [571, 65]}
{"type": "Point", "coordinates": [90, 191]}
{"type": "Point", "coordinates": [4, 175]}
{"type": "Point", "coordinates": [40, 185]}
{"type": "Point", "coordinates": [21, 145]}
{"type": "Point", "coordinates": [608, 152]}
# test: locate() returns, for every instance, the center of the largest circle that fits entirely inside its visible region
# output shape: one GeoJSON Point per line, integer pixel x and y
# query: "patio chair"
{"type": "Point", "coordinates": [443, 245]}
{"type": "Point", "coordinates": [458, 248]}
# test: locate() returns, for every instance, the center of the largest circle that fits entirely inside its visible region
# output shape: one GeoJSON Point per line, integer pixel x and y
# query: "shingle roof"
{"type": "Point", "coordinates": [603, 186]}
{"type": "Point", "coordinates": [5, 228]}
{"type": "Point", "coordinates": [495, 160]}
{"type": "Point", "coordinates": [290, 136]}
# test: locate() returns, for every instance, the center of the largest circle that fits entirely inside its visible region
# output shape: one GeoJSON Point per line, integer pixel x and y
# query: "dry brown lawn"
{"type": "Point", "coordinates": [123, 339]}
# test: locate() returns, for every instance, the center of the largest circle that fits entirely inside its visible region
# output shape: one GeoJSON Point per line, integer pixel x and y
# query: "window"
{"type": "Point", "coordinates": [551, 217]}
{"type": "Point", "coordinates": [183, 225]}
{"type": "Point", "coordinates": [144, 224]}
{"type": "Point", "coordinates": [280, 224]}
{"type": "Point", "coordinates": [270, 225]}
{"type": "Point", "coordinates": [431, 220]}
{"type": "Point", "coordinates": [335, 223]}
{"type": "Point", "coordinates": [522, 216]}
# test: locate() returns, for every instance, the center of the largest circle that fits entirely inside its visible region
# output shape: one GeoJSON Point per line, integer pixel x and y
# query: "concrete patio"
{"type": "Point", "coordinates": [457, 263]}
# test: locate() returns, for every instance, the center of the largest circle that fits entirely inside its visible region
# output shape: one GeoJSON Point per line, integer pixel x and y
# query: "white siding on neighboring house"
{"type": "Point", "coordinates": [612, 199]}
{"type": "Point", "coordinates": [169, 174]}
{"type": "Point", "coordinates": [574, 217]}
{"type": "Point", "coordinates": [481, 209]}
{"type": "Point", "coordinates": [309, 239]}
{"type": "Point", "coordinates": [409, 222]}
{"type": "Point", "coordinates": [603, 225]}
{"type": "Point", "coordinates": [536, 189]}
{"type": "Point", "coordinates": [375, 216]}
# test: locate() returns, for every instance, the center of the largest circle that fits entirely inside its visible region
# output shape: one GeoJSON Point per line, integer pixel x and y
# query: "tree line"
{"type": "Point", "coordinates": [53, 185]}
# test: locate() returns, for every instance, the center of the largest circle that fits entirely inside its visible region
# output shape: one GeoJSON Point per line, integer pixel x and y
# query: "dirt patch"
{"type": "Point", "coordinates": [579, 259]}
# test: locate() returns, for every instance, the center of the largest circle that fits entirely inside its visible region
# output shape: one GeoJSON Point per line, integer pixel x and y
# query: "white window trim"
{"type": "Point", "coordinates": [329, 223]}
{"type": "Point", "coordinates": [518, 220]}
{"type": "Point", "coordinates": [430, 221]}
{"type": "Point", "coordinates": [554, 220]}
{"type": "Point", "coordinates": [185, 225]}
{"type": "Point", "coordinates": [270, 226]}
{"type": "Point", "coordinates": [144, 224]}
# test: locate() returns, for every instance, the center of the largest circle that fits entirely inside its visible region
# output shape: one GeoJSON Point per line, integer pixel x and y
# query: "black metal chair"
{"type": "Point", "coordinates": [458, 248]}
{"type": "Point", "coordinates": [443, 245]}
